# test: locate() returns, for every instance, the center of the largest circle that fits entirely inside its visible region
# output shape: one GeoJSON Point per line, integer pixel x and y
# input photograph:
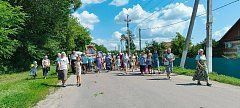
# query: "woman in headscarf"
{"type": "Point", "coordinates": [201, 69]}
{"type": "Point", "coordinates": [45, 66]}
{"type": "Point", "coordinates": [126, 62]}
{"type": "Point", "coordinates": [108, 62]}
{"type": "Point", "coordinates": [99, 61]}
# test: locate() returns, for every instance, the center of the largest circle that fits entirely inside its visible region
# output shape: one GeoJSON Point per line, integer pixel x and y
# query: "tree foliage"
{"type": "Point", "coordinates": [155, 46]}
{"type": "Point", "coordinates": [77, 36]}
{"type": "Point", "coordinates": [11, 22]}
{"type": "Point", "coordinates": [177, 44]}
{"type": "Point", "coordinates": [47, 29]}
{"type": "Point", "coordinates": [101, 48]}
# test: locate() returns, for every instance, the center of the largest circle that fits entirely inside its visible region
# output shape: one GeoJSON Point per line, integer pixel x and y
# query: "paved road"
{"type": "Point", "coordinates": [113, 90]}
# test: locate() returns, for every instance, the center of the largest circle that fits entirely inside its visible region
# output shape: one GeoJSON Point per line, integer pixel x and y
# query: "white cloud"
{"type": "Point", "coordinates": [119, 2]}
{"type": "Point", "coordinates": [116, 35]}
{"type": "Point", "coordinates": [219, 33]}
{"type": "Point", "coordinates": [86, 19]}
{"type": "Point", "coordinates": [136, 14]}
{"type": "Point", "coordinates": [167, 15]}
{"type": "Point", "coordinates": [92, 1]}
{"type": "Point", "coordinates": [124, 29]}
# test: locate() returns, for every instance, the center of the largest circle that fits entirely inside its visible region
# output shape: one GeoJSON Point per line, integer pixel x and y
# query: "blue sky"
{"type": "Point", "coordinates": [104, 18]}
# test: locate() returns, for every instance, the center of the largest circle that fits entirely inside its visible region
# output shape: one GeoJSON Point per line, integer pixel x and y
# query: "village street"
{"type": "Point", "coordinates": [115, 90]}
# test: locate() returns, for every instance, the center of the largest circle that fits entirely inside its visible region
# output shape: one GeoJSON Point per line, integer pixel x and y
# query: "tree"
{"type": "Point", "coordinates": [155, 46]}
{"type": "Point", "coordinates": [46, 30]}
{"type": "Point", "coordinates": [77, 36]}
{"type": "Point", "coordinates": [131, 37]}
{"type": "Point", "coordinates": [11, 22]}
{"type": "Point", "coordinates": [177, 44]}
{"type": "Point", "coordinates": [101, 48]}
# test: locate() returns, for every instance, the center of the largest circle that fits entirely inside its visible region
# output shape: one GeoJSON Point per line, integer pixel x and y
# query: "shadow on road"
{"type": "Point", "coordinates": [129, 74]}
{"type": "Point", "coordinates": [49, 85]}
{"type": "Point", "coordinates": [159, 79]}
{"type": "Point", "coordinates": [44, 84]}
{"type": "Point", "coordinates": [187, 84]}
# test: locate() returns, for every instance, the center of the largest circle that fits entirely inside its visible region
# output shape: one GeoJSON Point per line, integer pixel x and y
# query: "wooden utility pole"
{"type": "Point", "coordinates": [209, 35]}
{"type": "Point", "coordinates": [187, 42]}
{"type": "Point", "coordinates": [128, 32]}
{"type": "Point", "coordinates": [140, 39]}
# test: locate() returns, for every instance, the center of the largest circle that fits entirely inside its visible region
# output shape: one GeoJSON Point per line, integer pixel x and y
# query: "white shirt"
{"type": "Point", "coordinates": [73, 56]}
{"type": "Point", "coordinates": [63, 63]}
{"type": "Point", "coordinates": [45, 63]}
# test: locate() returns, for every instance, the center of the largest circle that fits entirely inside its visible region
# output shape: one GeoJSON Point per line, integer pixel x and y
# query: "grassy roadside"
{"type": "Point", "coordinates": [213, 76]}
{"type": "Point", "coordinates": [20, 91]}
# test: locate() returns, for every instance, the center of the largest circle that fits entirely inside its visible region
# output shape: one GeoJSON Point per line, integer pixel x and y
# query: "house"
{"type": "Point", "coordinates": [230, 42]}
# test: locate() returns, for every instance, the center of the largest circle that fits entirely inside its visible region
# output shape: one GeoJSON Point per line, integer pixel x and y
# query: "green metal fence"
{"type": "Point", "coordinates": [229, 67]}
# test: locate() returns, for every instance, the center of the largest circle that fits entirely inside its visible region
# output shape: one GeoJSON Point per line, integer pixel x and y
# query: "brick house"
{"type": "Point", "coordinates": [230, 42]}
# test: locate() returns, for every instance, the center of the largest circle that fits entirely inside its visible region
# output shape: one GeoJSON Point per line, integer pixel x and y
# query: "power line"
{"type": "Point", "coordinates": [220, 7]}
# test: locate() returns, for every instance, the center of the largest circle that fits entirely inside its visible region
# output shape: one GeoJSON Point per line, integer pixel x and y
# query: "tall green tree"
{"type": "Point", "coordinates": [11, 22]}
{"type": "Point", "coordinates": [46, 29]}
{"type": "Point", "coordinates": [155, 46]}
{"type": "Point", "coordinates": [177, 44]}
{"type": "Point", "coordinates": [77, 36]}
{"type": "Point", "coordinates": [101, 48]}
{"type": "Point", "coordinates": [131, 37]}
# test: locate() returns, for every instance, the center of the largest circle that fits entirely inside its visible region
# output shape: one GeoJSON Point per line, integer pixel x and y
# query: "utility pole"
{"type": "Point", "coordinates": [185, 51]}
{"type": "Point", "coordinates": [140, 39]}
{"type": "Point", "coordinates": [209, 35]}
{"type": "Point", "coordinates": [128, 34]}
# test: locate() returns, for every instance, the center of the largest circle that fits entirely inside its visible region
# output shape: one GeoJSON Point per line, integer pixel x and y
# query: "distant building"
{"type": "Point", "coordinates": [230, 42]}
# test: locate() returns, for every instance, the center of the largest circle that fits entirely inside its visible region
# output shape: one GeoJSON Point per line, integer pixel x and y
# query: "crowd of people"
{"type": "Point", "coordinates": [147, 62]}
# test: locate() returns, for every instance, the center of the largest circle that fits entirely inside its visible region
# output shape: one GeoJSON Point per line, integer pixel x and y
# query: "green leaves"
{"type": "Point", "coordinates": [11, 20]}
{"type": "Point", "coordinates": [45, 28]}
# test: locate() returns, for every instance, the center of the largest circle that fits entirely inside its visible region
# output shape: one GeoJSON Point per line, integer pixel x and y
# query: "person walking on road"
{"type": "Point", "coordinates": [108, 63]}
{"type": "Point", "coordinates": [45, 66]}
{"type": "Point", "coordinates": [63, 68]}
{"type": "Point", "coordinates": [78, 67]}
{"type": "Point", "coordinates": [169, 58]}
{"type": "Point", "coordinates": [155, 61]}
{"type": "Point", "coordinates": [118, 63]}
{"type": "Point", "coordinates": [149, 63]}
{"type": "Point", "coordinates": [126, 62]}
{"type": "Point", "coordinates": [99, 62]}
{"type": "Point", "coordinates": [201, 73]}
{"type": "Point", "coordinates": [73, 58]}
{"type": "Point", "coordinates": [142, 63]}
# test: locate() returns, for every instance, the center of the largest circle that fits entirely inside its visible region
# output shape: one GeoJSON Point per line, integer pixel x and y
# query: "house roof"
{"type": "Point", "coordinates": [232, 28]}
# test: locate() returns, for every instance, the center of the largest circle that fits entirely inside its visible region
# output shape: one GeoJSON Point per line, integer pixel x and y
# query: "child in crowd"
{"type": "Point", "coordinates": [78, 68]}
{"type": "Point", "coordinates": [33, 71]}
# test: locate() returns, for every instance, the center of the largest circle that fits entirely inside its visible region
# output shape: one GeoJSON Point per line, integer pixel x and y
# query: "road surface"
{"type": "Point", "coordinates": [115, 90]}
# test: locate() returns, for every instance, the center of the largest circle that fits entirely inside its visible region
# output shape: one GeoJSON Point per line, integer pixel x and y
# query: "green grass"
{"type": "Point", "coordinates": [20, 91]}
{"type": "Point", "coordinates": [212, 76]}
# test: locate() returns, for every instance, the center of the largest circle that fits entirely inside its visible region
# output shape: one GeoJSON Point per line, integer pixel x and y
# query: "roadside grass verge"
{"type": "Point", "coordinates": [21, 91]}
{"type": "Point", "coordinates": [212, 76]}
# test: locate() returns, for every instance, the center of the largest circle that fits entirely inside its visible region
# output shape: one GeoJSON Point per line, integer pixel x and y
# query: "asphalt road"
{"type": "Point", "coordinates": [114, 90]}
